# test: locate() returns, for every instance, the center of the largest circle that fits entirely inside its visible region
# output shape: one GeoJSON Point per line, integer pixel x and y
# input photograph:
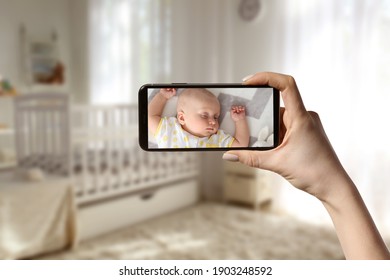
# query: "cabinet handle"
{"type": "Point", "coordinates": [147, 196]}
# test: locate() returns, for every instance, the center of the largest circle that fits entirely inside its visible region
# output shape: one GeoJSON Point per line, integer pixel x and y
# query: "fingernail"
{"type": "Point", "coordinates": [230, 157]}
{"type": "Point", "coordinates": [247, 78]}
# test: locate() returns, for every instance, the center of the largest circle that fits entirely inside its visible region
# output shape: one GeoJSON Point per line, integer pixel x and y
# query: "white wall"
{"type": "Point", "coordinates": [199, 42]}
{"type": "Point", "coordinates": [213, 44]}
{"type": "Point", "coordinates": [257, 44]}
{"type": "Point", "coordinates": [41, 18]}
{"type": "Point", "coordinates": [79, 49]}
{"type": "Point", "coordinates": [68, 18]}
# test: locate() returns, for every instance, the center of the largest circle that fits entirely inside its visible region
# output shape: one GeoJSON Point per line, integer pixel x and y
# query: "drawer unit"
{"type": "Point", "coordinates": [245, 185]}
{"type": "Point", "coordinates": [101, 218]}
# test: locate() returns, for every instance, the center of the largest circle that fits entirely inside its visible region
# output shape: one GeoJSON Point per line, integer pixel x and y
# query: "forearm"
{"type": "Point", "coordinates": [355, 228]}
{"type": "Point", "coordinates": [155, 110]}
{"type": "Point", "coordinates": [156, 105]}
{"type": "Point", "coordinates": [242, 133]}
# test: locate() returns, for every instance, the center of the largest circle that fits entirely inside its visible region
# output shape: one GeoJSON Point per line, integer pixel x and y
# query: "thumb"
{"type": "Point", "coordinates": [258, 159]}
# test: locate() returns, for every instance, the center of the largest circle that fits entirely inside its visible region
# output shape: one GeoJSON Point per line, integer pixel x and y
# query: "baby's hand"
{"type": "Point", "coordinates": [237, 113]}
{"type": "Point", "coordinates": [168, 92]}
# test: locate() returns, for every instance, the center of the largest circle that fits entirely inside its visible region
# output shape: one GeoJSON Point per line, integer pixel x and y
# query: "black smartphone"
{"type": "Point", "coordinates": [208, 117]}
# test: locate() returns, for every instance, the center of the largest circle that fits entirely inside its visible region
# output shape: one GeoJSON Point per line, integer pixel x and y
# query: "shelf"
{"type": "Point", "coordinates": [7, 131]}
{"type": "Point", "coordinates": [7, 96]}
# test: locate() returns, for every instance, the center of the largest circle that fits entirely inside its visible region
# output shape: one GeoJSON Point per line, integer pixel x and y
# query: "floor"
{"type": "Point", "coordinates": [212, 231]}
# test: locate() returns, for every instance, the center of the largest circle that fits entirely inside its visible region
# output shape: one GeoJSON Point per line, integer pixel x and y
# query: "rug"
{"type": "Point", "coordinates": [210, 231]}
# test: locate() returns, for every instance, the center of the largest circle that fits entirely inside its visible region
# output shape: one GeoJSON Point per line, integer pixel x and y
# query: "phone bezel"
{"type": "Point", "coordinates": [143, 129]}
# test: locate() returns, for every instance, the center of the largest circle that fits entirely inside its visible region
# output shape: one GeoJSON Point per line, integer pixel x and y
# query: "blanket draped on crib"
{"type": "Point", "coordinates": [35, 217]}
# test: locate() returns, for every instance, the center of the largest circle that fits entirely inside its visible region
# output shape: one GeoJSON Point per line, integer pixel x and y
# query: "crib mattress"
{"type": "Point", "coordinates": [35, 217]}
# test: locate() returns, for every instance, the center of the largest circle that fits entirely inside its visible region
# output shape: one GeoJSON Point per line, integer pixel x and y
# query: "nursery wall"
{"type": "Point", "coordinates": [40, 18]}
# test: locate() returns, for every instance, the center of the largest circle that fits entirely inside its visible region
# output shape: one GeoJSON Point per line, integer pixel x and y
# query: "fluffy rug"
{"type": "Point", "coordinates": [212, 231]}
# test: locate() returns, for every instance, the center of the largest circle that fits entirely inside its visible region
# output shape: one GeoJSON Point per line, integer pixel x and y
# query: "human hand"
{"type": "Point", "coordinates": [237, 113]}
{"type": "Point", "coordinates": [304, 157]}
{"type": "Point", "coordinates": [168, 92]}
{"type": "Point", "coordinates": [307, 160]}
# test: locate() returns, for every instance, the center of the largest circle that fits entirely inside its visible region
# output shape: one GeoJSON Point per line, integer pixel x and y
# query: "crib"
{"type": "Point", "coordinates": [96, 149]}
{"type": "Point", "coordinates": [95, 146]}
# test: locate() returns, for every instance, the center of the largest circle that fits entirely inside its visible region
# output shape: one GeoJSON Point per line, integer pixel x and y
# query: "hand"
{"type": "Point", "coordinates": [168, 92]}
{"type": "Point", "coordinates": [304, 157]}
{"type": "Point", "coordinates": [307, 160]}
{"type": "Point", "coordinates": [237, 113]}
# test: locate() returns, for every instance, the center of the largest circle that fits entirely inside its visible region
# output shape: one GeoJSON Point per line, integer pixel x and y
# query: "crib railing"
{"type": "Point", "coordinates": [42, 132]}
{"type": "Point", "coordinates": [96, 146]}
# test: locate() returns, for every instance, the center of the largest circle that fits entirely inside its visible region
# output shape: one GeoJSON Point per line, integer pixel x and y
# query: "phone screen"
{"type": "Point", "coordinates": [190, 117]}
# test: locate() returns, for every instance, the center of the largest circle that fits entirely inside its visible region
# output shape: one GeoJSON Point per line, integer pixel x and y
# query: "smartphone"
{"type": "Point", "coordinates": [208, 117]}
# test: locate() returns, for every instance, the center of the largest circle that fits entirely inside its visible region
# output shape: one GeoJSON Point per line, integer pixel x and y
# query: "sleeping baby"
{"type": "Point", "coordinates": [196, 124]}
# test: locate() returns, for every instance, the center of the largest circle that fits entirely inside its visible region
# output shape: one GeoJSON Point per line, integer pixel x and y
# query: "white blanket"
{"type": "Point", "coordinates": [35, 217]}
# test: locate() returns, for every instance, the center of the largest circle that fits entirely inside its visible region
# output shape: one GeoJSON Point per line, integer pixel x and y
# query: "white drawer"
{"type": "Point", "coordinates": [238, 168]}
{"type": "Point", "coordinates": [239, 188]}
{"type": "Point", "coordinates": [114, 214]}
{"type": "Point", "coordinates": [246, 189]}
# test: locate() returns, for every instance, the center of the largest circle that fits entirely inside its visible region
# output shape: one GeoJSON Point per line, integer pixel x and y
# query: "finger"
{"type": "Point", "coordinates": [285, 84]}
{"type": "Point", "coordinates": [276, 80]}
{"type": "Point", "coordinates": [282, 126]}
{"type": "Point", "coordinates": [258, 159]}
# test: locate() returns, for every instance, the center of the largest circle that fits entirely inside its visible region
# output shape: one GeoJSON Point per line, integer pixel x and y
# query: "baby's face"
{"type": "Point", "coordinates": [201, 117]}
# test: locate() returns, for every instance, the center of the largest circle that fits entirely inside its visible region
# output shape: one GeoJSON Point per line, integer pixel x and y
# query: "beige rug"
{"type": "Point", "coordinates": [212, 231]}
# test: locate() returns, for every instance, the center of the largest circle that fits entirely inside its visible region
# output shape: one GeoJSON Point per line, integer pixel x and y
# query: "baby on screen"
{"type": "Point", "coordinates": [196, 124]}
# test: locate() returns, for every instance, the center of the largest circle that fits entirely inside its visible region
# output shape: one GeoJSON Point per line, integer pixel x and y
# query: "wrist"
{"type": "Point", "coordinates": [336, 189]}
{"type": "Point", "coordinates": [239, 120]}
{"type": "Point", "coordinates": [162, 96]}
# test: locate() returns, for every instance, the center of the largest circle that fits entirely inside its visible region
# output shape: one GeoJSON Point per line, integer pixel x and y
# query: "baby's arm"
{"type": "Point", "coordinates": [156, 107]}
{"type": "Point", "coordinates": [242, 130]}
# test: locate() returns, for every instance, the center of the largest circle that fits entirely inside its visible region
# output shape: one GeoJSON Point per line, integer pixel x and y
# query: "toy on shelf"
{"type": "Point", "coordinates": [6, 88]}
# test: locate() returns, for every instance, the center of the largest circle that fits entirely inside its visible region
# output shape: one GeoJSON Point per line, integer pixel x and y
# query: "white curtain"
{"type": "Point", "coordinates": [129, 45]}
{"type": "Point", "coordinates": [338, 51]}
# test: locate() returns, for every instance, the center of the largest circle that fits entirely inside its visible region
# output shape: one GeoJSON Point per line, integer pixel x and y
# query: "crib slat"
{"type": "Point", "coordinates": [93, 138]}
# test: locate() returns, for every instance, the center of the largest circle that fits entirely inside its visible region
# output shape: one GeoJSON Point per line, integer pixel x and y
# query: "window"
{"type": "Point", "coordinates": [338, 52]}
{"type": "Point", "coordinates": [129, 45]}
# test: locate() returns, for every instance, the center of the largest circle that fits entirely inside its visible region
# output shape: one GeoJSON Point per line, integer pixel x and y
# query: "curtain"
{"type": "Point", "coordinates": [129, 45]}
{"type": "Point", "coordinates": [338, 51]}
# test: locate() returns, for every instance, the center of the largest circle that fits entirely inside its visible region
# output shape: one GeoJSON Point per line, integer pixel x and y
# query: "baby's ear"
{"type": "Point", "coordinates": [180, 118]}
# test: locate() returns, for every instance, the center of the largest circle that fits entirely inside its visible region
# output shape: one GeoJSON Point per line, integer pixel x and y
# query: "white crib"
{"type": "Point", "coordinates": [95, 146]}
{"type": "Point", "coordinates": [95, 175]}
